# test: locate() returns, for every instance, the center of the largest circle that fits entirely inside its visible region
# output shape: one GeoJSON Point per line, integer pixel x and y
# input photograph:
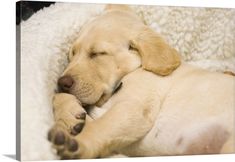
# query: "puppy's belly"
{"type": "Point", "coordinates": [172, 135]}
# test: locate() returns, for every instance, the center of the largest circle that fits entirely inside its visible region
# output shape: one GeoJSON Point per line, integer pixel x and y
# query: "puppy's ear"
{"type": "Point", "coordinates": [156, 55]}
{"type": "Point", "coordinates": [121, 7]}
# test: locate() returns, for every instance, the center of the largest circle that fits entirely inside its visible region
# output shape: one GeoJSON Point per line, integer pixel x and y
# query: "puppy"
{"type": "Point", "coordinates": [143, 100]}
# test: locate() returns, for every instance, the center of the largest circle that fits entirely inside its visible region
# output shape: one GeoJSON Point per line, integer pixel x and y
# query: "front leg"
{"type": "Point", "coordinates": [119, 127]}
{"type": "Point", "coordinates": [69, 117]}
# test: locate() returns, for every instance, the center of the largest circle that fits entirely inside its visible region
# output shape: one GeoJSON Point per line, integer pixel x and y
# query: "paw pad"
{"type": "Point", "coordinates": [77, 128]}
{"type": "Point", "coordinates": [59, 138]}
{"type": "Point", "coordinates": [72, 145]}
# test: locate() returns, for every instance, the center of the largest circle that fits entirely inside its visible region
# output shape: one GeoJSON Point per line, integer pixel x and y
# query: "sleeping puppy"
{"type": "Point", "coordinates": [143, 101]}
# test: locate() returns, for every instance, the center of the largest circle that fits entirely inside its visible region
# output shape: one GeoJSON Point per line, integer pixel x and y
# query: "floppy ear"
{"type": "Point", "coordinates": [157, 56]}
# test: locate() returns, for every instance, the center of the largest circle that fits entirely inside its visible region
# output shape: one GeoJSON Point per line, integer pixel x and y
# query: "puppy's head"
{"type": "Point", "coordinates": [108, 48]}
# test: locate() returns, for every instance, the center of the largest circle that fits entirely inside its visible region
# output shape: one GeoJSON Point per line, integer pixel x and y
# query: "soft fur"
{"type": "Point", "coordinates": [164, 107]}
{"type": "Point", "coordinates": [48, 34]}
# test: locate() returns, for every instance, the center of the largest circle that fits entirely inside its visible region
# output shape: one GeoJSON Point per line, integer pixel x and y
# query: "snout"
{"type": "Point", "coordinates": [65, 84]}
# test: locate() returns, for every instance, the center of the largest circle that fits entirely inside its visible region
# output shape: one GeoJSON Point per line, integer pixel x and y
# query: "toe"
{"type": "Point", "coordinates": [77, 128]}
{"type": "Point", "coordinates": [72, 145]}
{"type": "Point", "coordinates": [59, 138]}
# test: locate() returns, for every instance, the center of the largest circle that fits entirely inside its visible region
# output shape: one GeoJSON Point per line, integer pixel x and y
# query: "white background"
{"type": "Point", "coordinates": [7, 74]}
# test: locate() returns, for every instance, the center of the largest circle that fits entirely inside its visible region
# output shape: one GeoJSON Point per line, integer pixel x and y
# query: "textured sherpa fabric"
{"type": "Point", "coordinates": [203, 36]}
{"type": "Point", "coordinates": [45, 41]}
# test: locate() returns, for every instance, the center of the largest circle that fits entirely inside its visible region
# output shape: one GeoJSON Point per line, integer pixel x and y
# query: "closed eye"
{"type": "Point", "coordinates": [95, 54]}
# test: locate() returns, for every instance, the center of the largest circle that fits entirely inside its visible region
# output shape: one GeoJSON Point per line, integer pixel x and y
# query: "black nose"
{"type": "Point", "coordinates": [65, 83]}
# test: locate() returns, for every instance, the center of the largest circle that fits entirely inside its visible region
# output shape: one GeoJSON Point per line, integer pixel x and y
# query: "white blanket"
{"type": "Point", "coordinates": [203, 36]}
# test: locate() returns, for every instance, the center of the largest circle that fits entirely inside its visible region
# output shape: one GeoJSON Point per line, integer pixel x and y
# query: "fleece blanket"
{"type": "Point", "coordinates": [203, 36]}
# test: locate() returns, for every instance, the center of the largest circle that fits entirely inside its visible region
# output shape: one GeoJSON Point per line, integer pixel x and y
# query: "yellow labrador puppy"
{"type": "Point", "coordinates": [144, 101]}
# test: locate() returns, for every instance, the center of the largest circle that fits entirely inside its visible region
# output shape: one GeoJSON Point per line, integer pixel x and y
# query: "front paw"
{"type": "Point", "coordinates": [75, 148]}
{"type": "Point", "coordinates": [61, 141]}
{"type": "Point", "coordinates": [69, 146]}
{"type": "Point", "coordinates": [69, 120]}
{"type": "Point", "coordinates": [70, 123]}
{"type": "Point", "coordinates": [64, 128]}
{"type": "Point", "coordinates": [68, 113]}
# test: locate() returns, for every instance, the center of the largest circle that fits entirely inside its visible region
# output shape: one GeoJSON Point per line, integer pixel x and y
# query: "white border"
{"type": "Point", "coordinates": [7, 73]}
